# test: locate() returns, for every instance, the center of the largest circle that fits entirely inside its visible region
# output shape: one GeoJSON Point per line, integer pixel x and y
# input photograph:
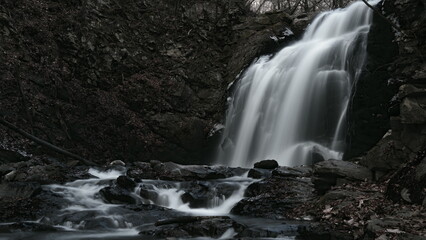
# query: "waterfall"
{"type": "Point", "coordinates": [292, 106]}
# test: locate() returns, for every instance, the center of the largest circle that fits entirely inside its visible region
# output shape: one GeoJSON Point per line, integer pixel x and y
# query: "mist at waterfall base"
{"type": "Point", "coordinates": [284, 107]}
{"type": "Point", "coordinates": [292, 107]}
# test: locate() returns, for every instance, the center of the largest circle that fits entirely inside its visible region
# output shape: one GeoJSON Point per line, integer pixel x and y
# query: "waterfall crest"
{"type": "Point", "coordinates": [292, 107]}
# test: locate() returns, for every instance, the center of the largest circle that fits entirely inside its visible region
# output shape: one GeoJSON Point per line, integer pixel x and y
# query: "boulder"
{"type": "Point", "coordinates": [141, 170]}
{"type": "Point", "coordinates": [204, 194]}
{"type": "Point", "coordinates": [301, 171]}
{"type": "Point", "coordinates": [147, 192]}
{"type": "Point", "coordinates": [115, 194]}
{"type": "Point", "coordinates": [266, 164]}
{"type": "Point", "coordinates": [197, 194]}
{"type": "Point", "coordinates": [274, 197]}
{"type": "Point", "coordinates": [336, 172]}
{"type": "Point", "coordinates": [342, 169]}
{"type": "Point", "coordinates": [339, 194]}
{"type": "Point", "coordinates": [258, 173]}
{"type": "Point", "coordinates": [126, 182]}
{"type": "Point", "coordinates": [387, 155]}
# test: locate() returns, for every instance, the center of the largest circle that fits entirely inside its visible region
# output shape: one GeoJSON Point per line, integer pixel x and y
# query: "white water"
{"type": "Point", "coordinates": [81, 198]}
{"type": "Point", "coordinates": [217, 206]}
{"type": "Point", "coordinates": [294, 104]}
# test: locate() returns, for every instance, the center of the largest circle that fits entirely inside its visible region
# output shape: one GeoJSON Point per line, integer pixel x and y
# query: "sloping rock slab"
{"type": "Point", "coordinates": [336, 172]}
{"type": "Point", "coordinates": [274, 197]}
{"type": "Point", "coordinates": [175, 172]}
{"type": "Point", "coordinates": [344, 169]}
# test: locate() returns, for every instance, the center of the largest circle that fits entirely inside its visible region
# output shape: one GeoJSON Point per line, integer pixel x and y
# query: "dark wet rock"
{"type": "Point", "coordinates": [36, 171]}
{"type": "Point", "coordinates": [126, 182]}
{"type": "Point", "coordinates": [176, 172]}
{"type": "Point", "coordinates": [204, 194]}
{"type": "Point", "coordinates": [197, 194]}
{"type": "Point", "coordinates": [148, 192]}
{"type": "Point", "coordinates": [200, 172]}
{"type": "Point", "coordinates": [412, 110]}
{"type": "Point", "coordinates": [19, 201]}
{"type": "Point", "coordinates": [336, 172]}
{"type": "Point", "coordinates": [301, 171]}
{"type": "Point", "coordinates": [258, 173]}
{"type": "Point", "coordinates": [26, 227]}
{"type": "Point", "coordinates": [387, 155]}
{"type": "Point", "coordinates": [369, 116]}
{"type": "Point", "coordinates": [7, 156]}
{"type": "Point", "coordinates": [115, 194]}
{"type": "Point", "coordinates": [72, 217]}
{"type": "Point", "coordinates": [338, 194]}
{"type": "Point", "coordinates": [408, 183]}
{"type": "Point", "coordinates": [186, 227]}
{"type": "Point", "coordinates": [141, 170]}
{"type": "Point", "coordinates": [345, 169]}
{"type": "Point", "coordinates": [100, 223]}
{"type": "Point", "coordinates": [266, 164]}
{"type": "Point", "coordinates": [19, 190]}
{"type": "Point", "coordinates": [274, 197]}
{"type": "Point", "coordinates": [24, 208]}
{"type": "Point", "coordinates": [321, 231]}
{"type": "Point", "coordinates": [316, 157]}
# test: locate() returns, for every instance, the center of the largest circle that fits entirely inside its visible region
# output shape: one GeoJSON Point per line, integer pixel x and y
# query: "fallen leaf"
{"type": "Point", "coordinates": [327, 209]}
{"type": "Point", "coordinates": [396, 230]}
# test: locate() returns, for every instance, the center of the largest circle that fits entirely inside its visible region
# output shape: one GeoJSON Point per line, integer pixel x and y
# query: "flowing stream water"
{"type": "Point", "coordinates": [292, 106]}
{"type": "Point", "coordinates": [86, 215]}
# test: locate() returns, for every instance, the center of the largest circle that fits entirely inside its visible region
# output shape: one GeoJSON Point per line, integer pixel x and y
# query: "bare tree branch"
{"type": "Point", "coordinates": [384, 17]}
{"type": "Point", "coordinates": [44, 143]}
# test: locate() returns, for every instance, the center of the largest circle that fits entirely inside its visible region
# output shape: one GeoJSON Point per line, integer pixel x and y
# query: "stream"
{"type": "Point", "coordinates": [89, 212]}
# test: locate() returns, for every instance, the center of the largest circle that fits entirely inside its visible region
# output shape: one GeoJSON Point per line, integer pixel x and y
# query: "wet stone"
{"type": "Point", "coordinates": [266, 164]}
{"type": "Point", "coordinates": [126, 182]}
{"type": "Point", "coordinates": [258, 173]}
{"type": "Point", "coordinates": [115, 194]}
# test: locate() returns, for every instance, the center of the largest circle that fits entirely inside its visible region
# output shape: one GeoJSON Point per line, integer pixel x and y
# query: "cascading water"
{"type": "Point", "coordinates": [292, 106]}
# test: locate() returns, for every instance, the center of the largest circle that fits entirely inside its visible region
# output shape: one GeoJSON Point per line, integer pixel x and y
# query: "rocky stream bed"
{"type": "Point", "coordinates": [332, 200]}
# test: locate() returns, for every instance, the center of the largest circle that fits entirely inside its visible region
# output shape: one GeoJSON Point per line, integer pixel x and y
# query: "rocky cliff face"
{"type": "Point", "coordinates": [403, 145]}
{"type": "Point", "coordinates": [134, 80]}
{"type": "Point", "coordinates": [369, 117]}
